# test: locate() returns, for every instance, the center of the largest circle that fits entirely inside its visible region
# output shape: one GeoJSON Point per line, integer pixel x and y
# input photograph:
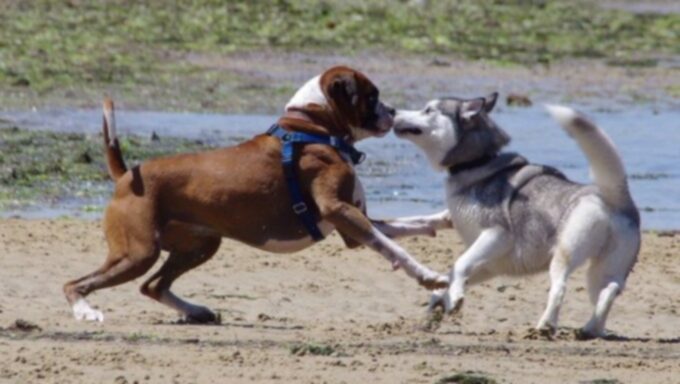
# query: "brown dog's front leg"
{"type": "Point", "coordinates": [427, 225]}
{"type": "Point", "coordinates": [350, 221]}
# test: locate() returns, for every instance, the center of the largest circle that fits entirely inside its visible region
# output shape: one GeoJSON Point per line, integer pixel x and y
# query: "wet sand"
{"type": "Point", "coordinates": [282, 313]}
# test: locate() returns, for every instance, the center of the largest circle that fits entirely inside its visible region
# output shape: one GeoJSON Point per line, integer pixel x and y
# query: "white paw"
{"type": "Point", "coordinates": [83, 311]}
{"type": "Point", "coordinates": [451, 304]}
{"type": "Point", "coordinates": [455, 304]}
{"type": "Point", "coordinates": [546, 322]}
{"type": "Point", "coordinates": [437, 300]}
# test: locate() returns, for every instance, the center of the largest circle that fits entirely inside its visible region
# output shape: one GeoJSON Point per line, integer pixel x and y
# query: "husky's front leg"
{"type": "Point", "coordinates": [427, 225]}
{"type": "Point", "coordinates": [490, 245]}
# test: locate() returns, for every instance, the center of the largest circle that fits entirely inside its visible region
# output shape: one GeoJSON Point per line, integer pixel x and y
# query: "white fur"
{"type": "Point", "coordinates": [110, 118]}
{"type": "Point", "coordinates": [583, 237]}
{"type": "Point", "coordinates": [438, 136]}
{"type": "Point", "coordinates": [491, 245]}
{"type": "Point", "coordinates": [606, 166]}
{"type": "Point", "coordinates": [83, 311]}
{"type": "Point", "coordinates": [359, 133]}
{"type": "Point", "coordinates": [307, 94]}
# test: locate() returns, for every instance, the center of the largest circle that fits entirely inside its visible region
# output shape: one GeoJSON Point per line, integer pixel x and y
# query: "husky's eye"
{"type": "Point", "coordinates": [428, 110]}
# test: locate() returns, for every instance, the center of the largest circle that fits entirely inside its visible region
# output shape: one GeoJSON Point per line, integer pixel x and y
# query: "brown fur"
{"type": "Point", "coordinates": [185, 204]}
{"type": "Point", "coordinates": [114, 157]}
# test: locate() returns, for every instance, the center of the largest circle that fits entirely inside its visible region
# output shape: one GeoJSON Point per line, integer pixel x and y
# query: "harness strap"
{"type": "Point", "coordinates": [342, 146]}
{"type": "Point", "coordinates": [289, 139]}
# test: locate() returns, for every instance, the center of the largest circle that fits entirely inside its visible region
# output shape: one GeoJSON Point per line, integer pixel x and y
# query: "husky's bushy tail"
{"type": "Point", "coordinates": [605, 164]}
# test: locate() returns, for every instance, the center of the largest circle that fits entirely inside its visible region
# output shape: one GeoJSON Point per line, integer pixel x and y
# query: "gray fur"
{"type": "Point", "coordinates": [473, 143]}
{"type": "Point", "coordinates": [519, 218]}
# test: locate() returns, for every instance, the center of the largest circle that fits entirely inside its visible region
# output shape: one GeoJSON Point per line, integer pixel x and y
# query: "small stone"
{"type": "Point", "coordinates": [518, 100]}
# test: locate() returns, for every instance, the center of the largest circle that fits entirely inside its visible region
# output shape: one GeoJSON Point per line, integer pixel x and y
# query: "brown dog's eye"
{"type": "Point", "coordinates": [372, 101]}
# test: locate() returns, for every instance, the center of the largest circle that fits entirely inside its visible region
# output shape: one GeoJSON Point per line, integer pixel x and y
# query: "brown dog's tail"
{"type": "Point", "coordinates": [114, 157]}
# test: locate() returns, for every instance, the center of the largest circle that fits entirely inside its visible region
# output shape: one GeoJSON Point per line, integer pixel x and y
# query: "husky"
{"type": "Point", "coordinates": [518, 218]}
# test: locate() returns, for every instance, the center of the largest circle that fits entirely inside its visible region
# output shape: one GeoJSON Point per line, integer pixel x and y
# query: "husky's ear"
{"type": "Point", "coordinates": [471, 108]}
{"type": "Point", "coordinates": [490, 102]}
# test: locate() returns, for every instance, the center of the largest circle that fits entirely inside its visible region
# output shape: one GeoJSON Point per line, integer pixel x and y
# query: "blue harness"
{"type": "Point", "coordinates": [289, 139]}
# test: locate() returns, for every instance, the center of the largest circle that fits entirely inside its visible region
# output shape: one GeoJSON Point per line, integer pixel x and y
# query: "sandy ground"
{"type": "Point", "coordinates": [371, 319]}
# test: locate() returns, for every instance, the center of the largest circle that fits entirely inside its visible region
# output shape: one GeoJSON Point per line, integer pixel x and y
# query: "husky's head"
{"type": "Point", "coordinates": [453, 131]}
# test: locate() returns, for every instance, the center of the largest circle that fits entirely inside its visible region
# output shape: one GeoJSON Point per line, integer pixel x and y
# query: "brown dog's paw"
{"type": "Point", "coordinates": [433, 283]}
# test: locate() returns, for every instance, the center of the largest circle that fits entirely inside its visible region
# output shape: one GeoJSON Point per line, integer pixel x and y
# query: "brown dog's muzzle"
{"type": "Point", "coordinates": [385, 120]}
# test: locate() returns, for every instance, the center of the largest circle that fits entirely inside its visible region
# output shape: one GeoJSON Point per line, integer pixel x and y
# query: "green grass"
{"type": "Point", "coordinates": [48, 44]}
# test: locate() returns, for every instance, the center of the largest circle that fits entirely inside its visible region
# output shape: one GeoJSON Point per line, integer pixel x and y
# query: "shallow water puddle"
{"type": "Point", "coordinates": [397, 178]}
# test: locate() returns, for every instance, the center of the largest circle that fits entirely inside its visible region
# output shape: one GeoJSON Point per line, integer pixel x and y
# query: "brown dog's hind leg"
{"type": "Point", "coordinates": [133, 249]}
{"type": "Point", "coordinates": [188, 249]}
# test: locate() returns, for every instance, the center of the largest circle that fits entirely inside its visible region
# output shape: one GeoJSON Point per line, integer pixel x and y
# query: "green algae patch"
{"type": "Point", "coordinates": [38, 167]}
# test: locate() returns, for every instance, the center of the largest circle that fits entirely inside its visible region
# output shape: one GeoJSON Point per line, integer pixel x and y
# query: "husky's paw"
{"type": "Point", "coordinates": [456, 305]}
{"type": "Point", "coordinates": [586, 334]}
{"type": "Point", "coordinates": [437, 301]}
{"type": "Point", "coordinates": [443, 299]}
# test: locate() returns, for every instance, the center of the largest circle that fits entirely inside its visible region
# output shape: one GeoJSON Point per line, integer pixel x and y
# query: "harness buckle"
{"type": "Point", "coordinates": [300, 208]}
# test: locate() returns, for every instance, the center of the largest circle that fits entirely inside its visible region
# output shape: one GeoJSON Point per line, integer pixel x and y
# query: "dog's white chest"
{"type": "Point", "coordinates": [465, 216]}
{"type": "Point", "coordinates": [466, 225]}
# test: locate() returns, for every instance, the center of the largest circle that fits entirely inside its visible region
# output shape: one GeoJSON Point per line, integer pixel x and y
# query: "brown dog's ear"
{"type": "Point", "coordinates": [490, 102]}
{"type": "Point", "coordinates": [343, 90]}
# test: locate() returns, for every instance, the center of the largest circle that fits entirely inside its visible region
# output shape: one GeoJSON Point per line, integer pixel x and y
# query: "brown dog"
{"type": "Point", "coordinates": [185, 204]}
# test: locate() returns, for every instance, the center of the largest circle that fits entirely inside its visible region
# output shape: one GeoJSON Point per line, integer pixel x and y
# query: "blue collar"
{"type": "Point", "coordinates": [347, 150]}
{"type": "Point", "coordinates": [298, 203]}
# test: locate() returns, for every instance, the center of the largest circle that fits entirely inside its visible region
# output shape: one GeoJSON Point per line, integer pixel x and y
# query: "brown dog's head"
{"type": "Point", "coordinates": [344, 101]}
